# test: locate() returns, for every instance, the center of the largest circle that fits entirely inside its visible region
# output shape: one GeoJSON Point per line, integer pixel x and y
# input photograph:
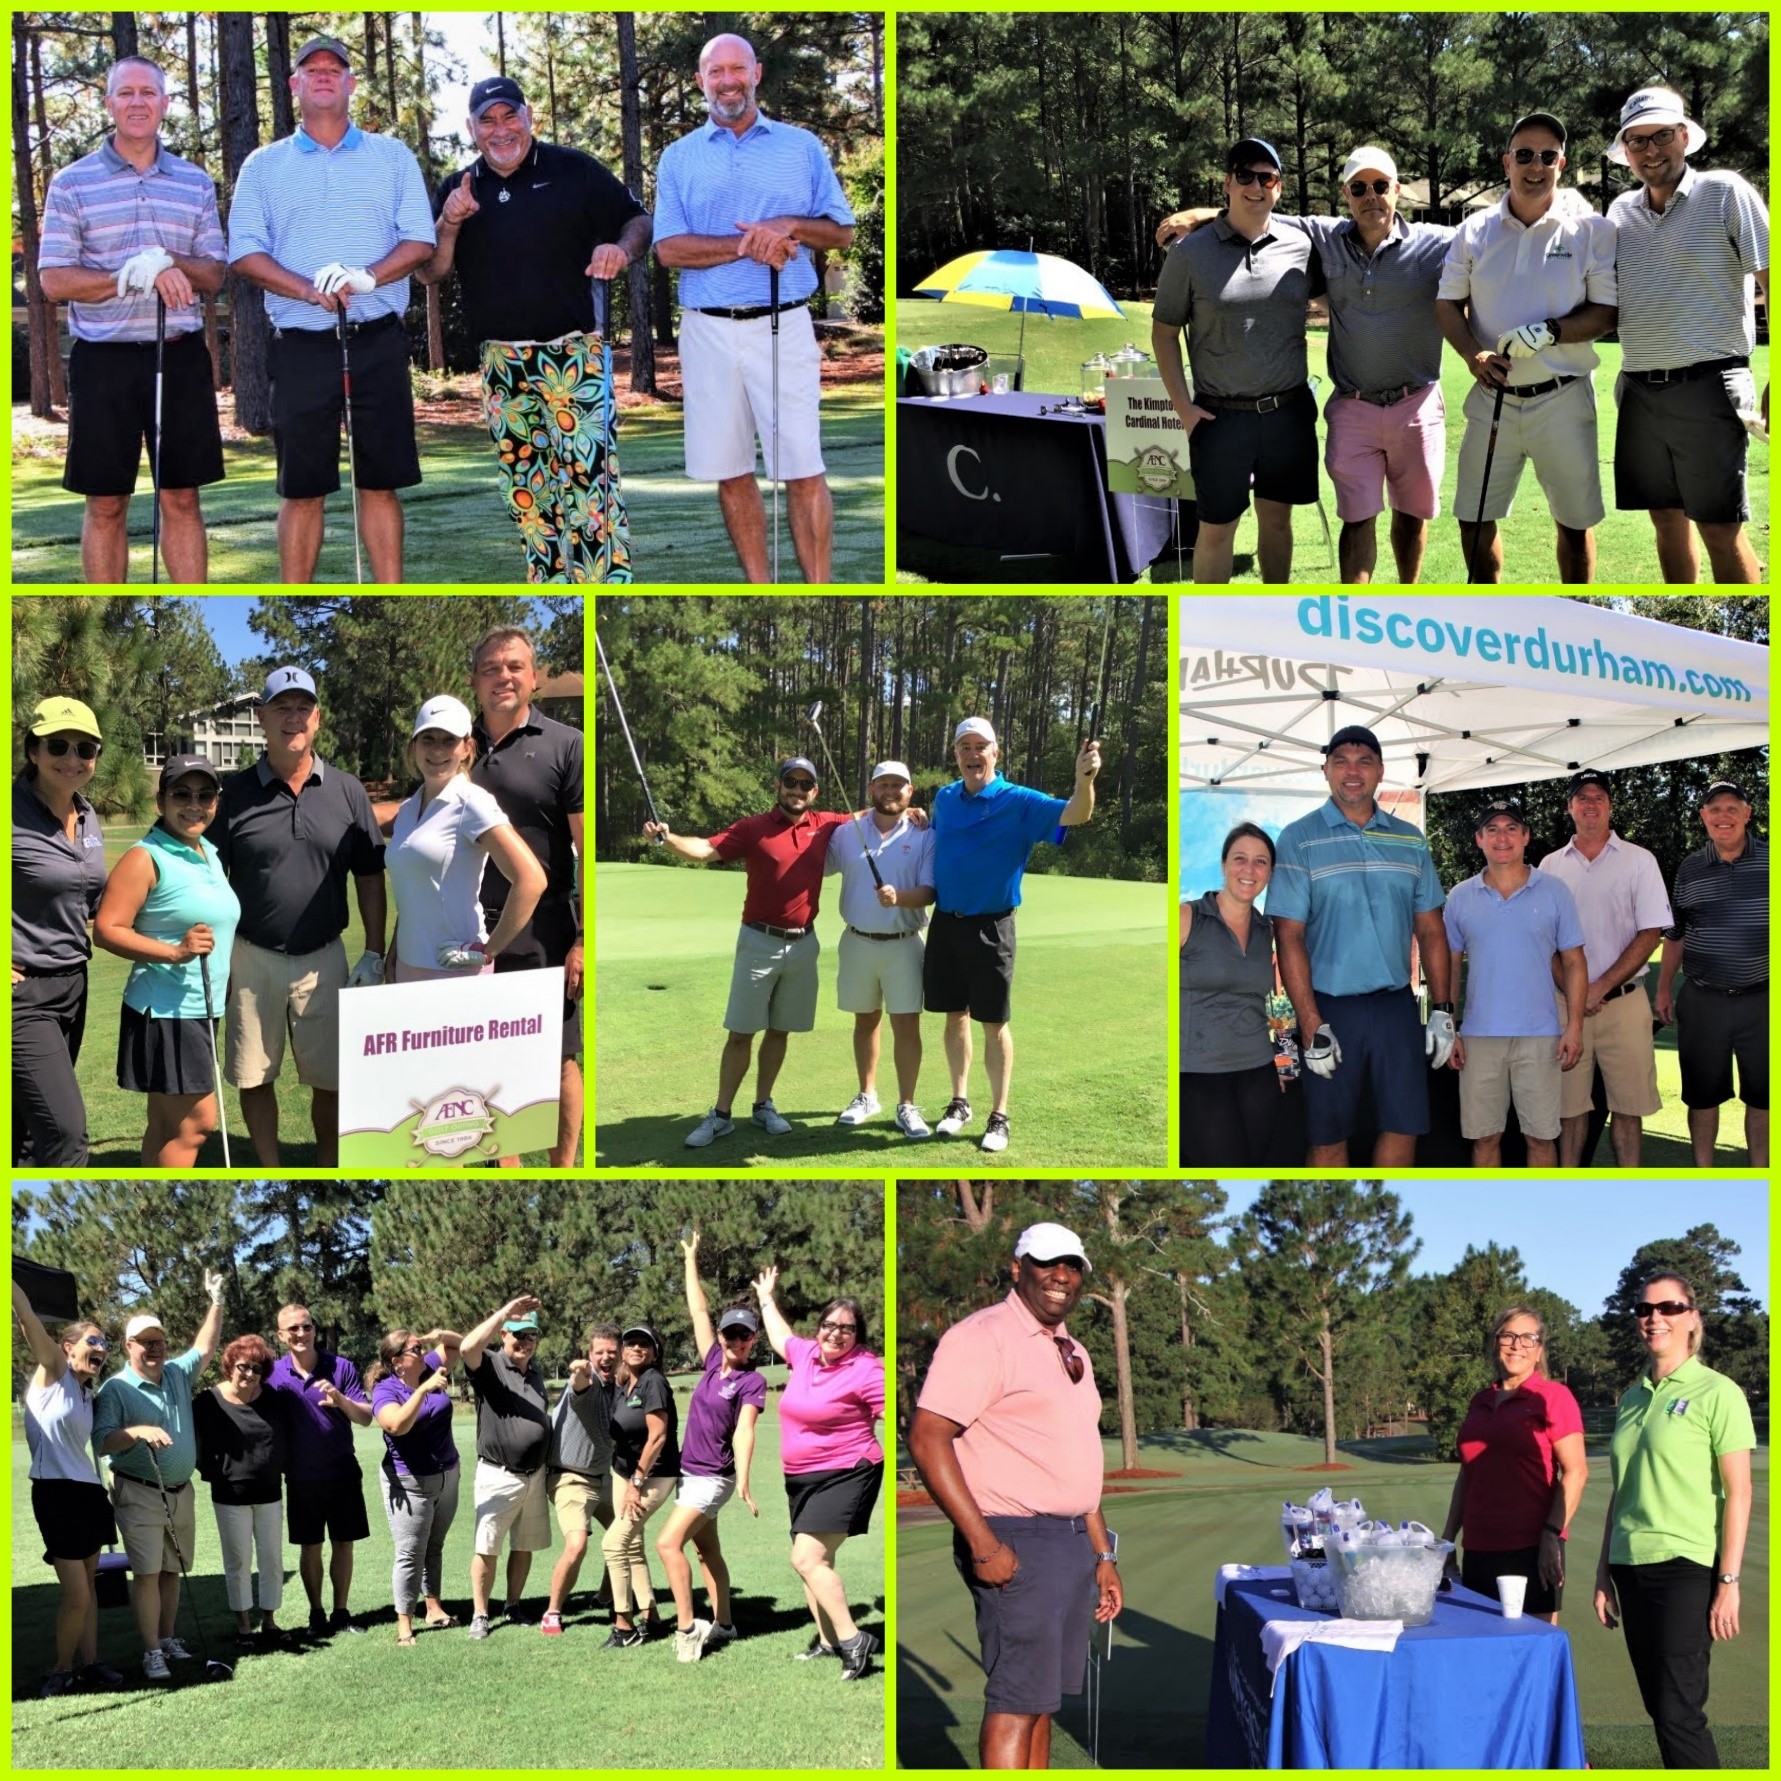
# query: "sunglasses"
{"type": "Point", "coordinates": [416, 1349]}
{"type": "Point", "coordinates": [1262, 176]}
{"type": "Point", "coordinates": [249, 1366]}
{"type": "Point", "coordinates": [1660, 1308]}
{"type": "Point", "coordinates": [800, 785]}
{"type": "Point", "coordinates": [98, 1342]}
{"type": "Point", "coordinates": [152, 1347]}
{"type": "Point", "coordinates": [1358, 188]}
{"type": "Point", "coordinates": [60, 745]}
{"type": "Point", "coordinates": [1525, 157]}
{"type": "Point", "coordinates": [1637, 145]}
{"type": "Point", "coordinates": [186, 794]}
{"type": "Point", "coordinates": [1072, 1361]}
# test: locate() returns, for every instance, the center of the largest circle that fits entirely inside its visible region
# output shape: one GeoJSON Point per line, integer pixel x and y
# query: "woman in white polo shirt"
{"type": "Point", "coordinates": [440, 840]}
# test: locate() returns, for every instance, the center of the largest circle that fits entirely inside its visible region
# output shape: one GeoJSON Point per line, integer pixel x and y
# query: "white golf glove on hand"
{"type": "Point", "coordinates": [1437, 1038]}
{"type": "Point", "coordinates": [335, 278]}
{"type": "Point", "coordinates": [1528, 339]}
{"type": "Point", "coordinates": [1323, 1054]}
{"type": "Point", "coordinates": [213, 1284]}
{"type": "Point", "coordinates": [462, 958]}
{"type": "Point", "coordinates": [139, 272]}
{"type": "Point", "coordinates": [367, 972]}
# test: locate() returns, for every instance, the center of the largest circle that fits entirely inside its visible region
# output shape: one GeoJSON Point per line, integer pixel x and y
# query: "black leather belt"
{"type": "Point", "coordinates": [1386, 398]}
{"type": "Point", "coordinates": [1246, 404]}
{"type": "Point", "coordinates": [1687, 373]}
{"type": "Point", "coordinates": [751, 315]}
{"type": "Point", "coordinates": [373, 327]}
{"type": "Point", "coordinates": [1626, 989]}
{"type": "Point", "coordinates": [32, 971]}
{"type": "Point", "coordinates": [1713, 989]}
{"type": "Point", "coordinates": [990, 915]}
{"type": "Point", "coordinates": [1526, 392]}
{"type": "Point", "coordinates": [865, 936]}
{"type": "Point", "coordinates": [766, 927]}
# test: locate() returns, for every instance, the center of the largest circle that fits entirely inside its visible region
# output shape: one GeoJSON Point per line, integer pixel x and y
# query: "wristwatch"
{"type": "Point", "coordinates": [1107, 1558]}
{"type": "Point", "coordinates": [1440, 1007]}
{"type": "Point", "coordinates": [1728, 1576]}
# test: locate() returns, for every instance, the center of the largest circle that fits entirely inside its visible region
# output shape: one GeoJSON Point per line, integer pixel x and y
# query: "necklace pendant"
{"type": "Point", "coordinates": [505, 195]}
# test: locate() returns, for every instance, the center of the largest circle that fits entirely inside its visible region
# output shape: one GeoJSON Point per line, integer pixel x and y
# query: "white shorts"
{"type": "Point", "coordinates": [707, 1495]}
{"type": "Point", "coordinates": [726, 371]}
{"type": "Point", "coordinates": [877, 974]}
{"type": "Point", "coordinates": [1557, 431]}
{"type": "Point", "coordinates": [507, 1500]}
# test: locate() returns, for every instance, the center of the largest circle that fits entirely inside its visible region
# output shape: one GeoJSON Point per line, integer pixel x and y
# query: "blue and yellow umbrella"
{"type": "Point", "coordinates": [1008, 278]}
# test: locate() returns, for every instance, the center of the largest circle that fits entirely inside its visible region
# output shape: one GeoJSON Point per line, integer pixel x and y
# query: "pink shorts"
{"type": "Point", "coordinates": [1402, 449]}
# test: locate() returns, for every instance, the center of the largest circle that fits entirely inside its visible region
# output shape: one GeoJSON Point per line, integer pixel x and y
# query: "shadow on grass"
{"type": "Point", "coordinates": [1200, 1442]}
{"type": "Point", "coordinates": [661, 1140]}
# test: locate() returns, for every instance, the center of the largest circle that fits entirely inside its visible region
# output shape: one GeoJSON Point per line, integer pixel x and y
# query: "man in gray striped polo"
{"type": "Point", "coordinates": [1688, 245]}
{"type": "Point", "coordinates": [124, 227]}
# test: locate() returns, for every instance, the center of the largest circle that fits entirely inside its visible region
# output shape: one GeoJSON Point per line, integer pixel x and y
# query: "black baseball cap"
{"type": "Point", "coordinates": [794, 763]}
{"type": "Point", "coordinates": [1589, 776]}
{"type": "Point", "coordinates": [1356, 733]}
{"type": "Point", "coordinates": [332, 45]}
{"type": "Point", "coordinates": [182, 764]}
{"type": "Point", "coordinates": [1511, 807]}
{"type": "Point", "coordinates": [1240, 154]}
{"type": "Point", "coordinates": [496, 90]}
{"type": "Point", "coordinates": [1724, 788]}
{"type": "Point", "coordinates": [1544, 119]}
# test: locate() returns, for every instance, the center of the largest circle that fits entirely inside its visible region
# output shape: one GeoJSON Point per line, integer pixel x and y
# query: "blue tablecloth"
{"type": "Point", "coordinates": [1470, 1690]}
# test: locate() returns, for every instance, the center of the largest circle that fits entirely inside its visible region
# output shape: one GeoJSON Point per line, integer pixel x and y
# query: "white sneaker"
{"type": "Point", "coordinates": [995, 1133]}
{"type": "Point", "coordinates": [956, 1117]}
{"type": "Point", "coordinates": [154, 1667]}
{"type": "Point", "coordinates": [175, 1649]}
{"type": "Point", "coordinates": [859, 1109]}
{"type": "Point", "coordinates": [910, 1122]}
{"type": "Point", "coordinates": [713, 1125]}
{"type": "Point", "coordinates": [771, 1120]}
{"type": "Point", "coordinates": [689, 1642]}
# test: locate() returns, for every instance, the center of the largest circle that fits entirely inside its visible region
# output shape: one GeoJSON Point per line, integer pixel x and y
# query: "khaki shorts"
{"type": "Point", "coordinates": [510, 1502]}
{"type": "Point", "coordinates": [580, 1500]}
{"type": "Point", "coordinates": [1500, 1070]}
{"type": "Point", "coordinates": [876, 974]}
{"type": "Point", "coordinates": [1619, 1039]}
{"type": "Point", "coordinates": [142, 1525]}
{"type": "Point", "coordinates": [773, 983]}
{"type": "Point", "coordinates": [270, 992]}
{"type": "Point", "coordinates": [1556, 430]}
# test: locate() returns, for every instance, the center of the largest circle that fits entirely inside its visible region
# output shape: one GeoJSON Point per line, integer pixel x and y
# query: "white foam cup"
{"type": "Point", "coordinates": [1512, 1592]}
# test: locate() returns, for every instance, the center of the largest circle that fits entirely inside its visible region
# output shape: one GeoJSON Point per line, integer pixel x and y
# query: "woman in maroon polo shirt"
{"type": "Point", "coordinates": [1521, 1469]}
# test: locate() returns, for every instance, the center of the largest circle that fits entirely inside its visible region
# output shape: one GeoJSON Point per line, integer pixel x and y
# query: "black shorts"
{"type": "Point", "coordinates": [1276, 452]}
{"type": "Point", "coordinates": [1034, 1629]}
{"type": "Point", "coordinates": [834, 1502]}
{"type": "Point", "coordinates": [164, 1057]}
{"type": "Point", "coordinates": [1711, 1030]}
{"type": "Point", "coordinates": [1682, 445]}
{"type": "Point", "coordinates": [545, 941]}
{"type": "Point", "coordinates": [331, 1508]}
{"type": "Point", "coordinates": [307, 404]}
{"type": "Point", "coordinates": [969, 966]}
{"type": "Point", "coordinates": [111, 415]}
{"type": "Point", "coordinates": [1480, 1571]}
{"type": "Point", "coordinates": [75, 1519]}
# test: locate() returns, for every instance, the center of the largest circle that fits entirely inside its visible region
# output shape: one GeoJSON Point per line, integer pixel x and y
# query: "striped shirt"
{"type": "Point", "coordinates": [1618, 894]}
{"type": "Point", "coordinates": [712, 180]}
{"type": "Point", "coordinates": [100, 211]}
{"type": "Point", "coordinates": [1722, 916]}
{"type": "Point", "coordinates": [307, 205]}
{"type": "Point", "coordinates": [1685, 286]}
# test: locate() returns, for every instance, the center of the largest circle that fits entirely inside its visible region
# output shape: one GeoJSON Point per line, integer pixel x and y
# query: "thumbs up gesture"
{"type": "Point", "coordinates": [460, 203]}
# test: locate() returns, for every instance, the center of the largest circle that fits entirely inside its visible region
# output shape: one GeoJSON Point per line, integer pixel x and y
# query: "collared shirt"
{"type": "Point", "coordinates": [1383, 332]}
{"type": "Point", "coordinates": [708, 1448]}
{"type": "Point", "coordinates": [1505, 1453]}
{"type": "Point", "coordinates": [784, 860]}
{"type": "Point", "coordinates": [428, 1448]}
{"type": "Point", "coordinates": [827, 1410]}
{"type": "Point", "coordinates": [56, 883]}
{"type": "Point", "coordinates": [59, 1430]}
{"type": "Point", "coordinates": [535, 772]}
{"type": "Point", "coordinates": [1358, 890]}
{"type": "Point", "coordinates": [188, 887]}
{"type": "Point", "coordinates": [321, 1437]}
{"type": "Point", "coordinates": [981, 843]}
{"type": "Point", "coordinates": [100, 210]}
{"type": "Point", "coordinates": [1686, 293]}
{"type": "Point", "coordinates": [512, 1412]}
{"type": "Point", "coordinates": [1618, 894]}
{"type": "Point", "coordinates": [1243, 305]}
{"type": "Point", "coordinates": [1032, 1440]}
{"type": "Point", "coordinates": [1722, 916]}
{"type": "Point", "coordinates": [1509, 943]}
{"type": "Point", "coordinates": [904, 857]}
{"type": "Point", "coordinates": [307, 205]}
{"type": "Point", "coordinates": [1224, 992]}
{"type": "Point", "coordinates": [127, 1400]}
{"type": "Point", "coordinates": [713, 179]}
{"type": "Point", "coordinates": [289, 857]}
{"type": "Point", "coordinates": [547, 215]}
{"type": "Point", "coordinates": [435, 866]}
{"type": "Point", "coordinates": [581, 1429]}
{"type": "Point", "coordinates": [1514, 272]}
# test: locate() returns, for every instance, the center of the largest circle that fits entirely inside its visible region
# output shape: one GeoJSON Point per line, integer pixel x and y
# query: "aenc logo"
{"type": "Point", "coordinates": [454, 1122]}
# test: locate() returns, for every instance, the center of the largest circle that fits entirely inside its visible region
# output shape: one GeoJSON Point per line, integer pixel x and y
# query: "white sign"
{"type": "Point", "coordinates": [1146, 447]}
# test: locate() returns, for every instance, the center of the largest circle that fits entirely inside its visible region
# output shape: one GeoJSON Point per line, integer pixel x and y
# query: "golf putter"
{"type": "Point", "coordinates": [602, 327]}
{"type": "Point", "coordinates": [813, 717]}
{"type": "Point", "coordinates": [1490, 452]}
{"type": "Point", "coordinates": [155, 456]}
{"type": "Point", "coordinates": [216, 1069]}
{"type": "Point", "coordinates": [618, 706]}
{"type": "Point", "coordinates": [352, 465]}
{"type": "Point", "coordinates": [215, 1670]}
{"type": "Point", "coordinates": [773, 324]}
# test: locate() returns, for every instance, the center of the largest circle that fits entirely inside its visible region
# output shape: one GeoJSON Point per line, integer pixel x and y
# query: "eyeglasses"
{"type": "Point", "coordinates": [1518, 1341]}
{"type": "Point", "coordinates": [1072, 1361]}
{"type": "Point", "coordinates": [1637, 145]}
{"type": "Point", "coordinates": [193, 794]}
{"type": "Point", "coordinates": [1525, 157]}
{"type": "Point", "coordinates": [295, 1329]}
{"type": "Point", "coordinates": [800, 785]}
{"type": "Point", "coordinates": [1660, 1308]}
{"type": "Point", "coordinates": [152, 1347]}
{"type": "Point", "coordinates": [1262, 176]}
{"type": "Point", "coordinates": [1358, 188]}
{"type": "Point", "coordinates": [838, 1329]}
{"type": "Point", "coordinates": [60, 745]}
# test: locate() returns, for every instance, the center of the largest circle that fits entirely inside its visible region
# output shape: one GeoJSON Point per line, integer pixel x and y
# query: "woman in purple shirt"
{"type": "Point", "coordinates": [410, 1397]}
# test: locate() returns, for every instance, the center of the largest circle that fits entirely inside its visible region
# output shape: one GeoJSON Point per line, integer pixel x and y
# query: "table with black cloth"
{"type": "Point", "coordinates": [1471, 1690]}
{"type": "Point", "coordinates": [993, 473]}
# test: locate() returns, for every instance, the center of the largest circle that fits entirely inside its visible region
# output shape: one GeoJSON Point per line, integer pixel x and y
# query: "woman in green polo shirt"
{"type": "Point", "coordinates": [1677, 1520]}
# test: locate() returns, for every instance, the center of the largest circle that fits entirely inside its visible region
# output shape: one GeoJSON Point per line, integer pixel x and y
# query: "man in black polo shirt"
{"type": "Point", "coordinates": [532, 765]}
{"type": "Point", "coordinates": [290, 831]}
{"type": "Point", "coordinates": [1721, 905]}
{"type": "Point", "coordinates": [527, 224]}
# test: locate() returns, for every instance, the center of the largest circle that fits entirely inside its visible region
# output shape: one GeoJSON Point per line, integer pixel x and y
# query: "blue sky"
{"type": "Point", "coordinates": [226, 615]}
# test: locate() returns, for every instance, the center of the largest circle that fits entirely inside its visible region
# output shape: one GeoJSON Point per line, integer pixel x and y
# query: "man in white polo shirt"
{"type": "Point", "coordinates": [887, 879]}
{"type": "Point", "coordinates": [1689, 244]}
{"type": "Point", "coordinates": [1527, 285]}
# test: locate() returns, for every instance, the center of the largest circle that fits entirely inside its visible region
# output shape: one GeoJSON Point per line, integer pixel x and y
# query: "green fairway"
{"type": "Point", "coordinates": [1055, 351]}
{"type": "Point", "coordinates": [1222, 1506]}
{"type": "Point", "coordinates": [518, 1701]}
{"type": "Point", "coordinates": [1090, 1071]}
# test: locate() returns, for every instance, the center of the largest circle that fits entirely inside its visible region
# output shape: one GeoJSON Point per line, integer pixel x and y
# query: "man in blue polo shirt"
{"type": "Point", "coordinates": [984, 828]}
{"type": "Point", "coordinates": [1509, 922]}
{"type": "Point", "coordinates": [1352, 888]}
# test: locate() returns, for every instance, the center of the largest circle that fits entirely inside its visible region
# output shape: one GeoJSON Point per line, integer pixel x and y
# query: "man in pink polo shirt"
{"type": "Point", "coordinates": [1007, 1436]}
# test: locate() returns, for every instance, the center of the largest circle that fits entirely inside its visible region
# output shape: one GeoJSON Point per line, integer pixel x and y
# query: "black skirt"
{"type": "Point", "coordinates": [834, 1502]}
{"type": "Point", "coordinates": [164, 1057]}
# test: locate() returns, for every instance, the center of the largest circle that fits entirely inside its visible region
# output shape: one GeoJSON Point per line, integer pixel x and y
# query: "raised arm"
{"type": "Point", "coordinates": [697, 1307]}
{"type": "Point", "coordinates": [689, 847]}
{"type": "Point", "coordinates": [779, 1332]}
{"type": "Point", "coordinates": [470, 1352]}
{"type": "Point", "coordinates": [1082, 800]}
{"type": "Point", "coordinates": [212, 1327]}
{"type": "Point", "coordinates": [52, 1363]}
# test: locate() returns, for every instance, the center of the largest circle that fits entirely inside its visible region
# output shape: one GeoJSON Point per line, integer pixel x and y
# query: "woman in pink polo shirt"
{"type": "Point", "coordinates": [1521, 1469]}
{"type": "Point", "coordinates": [834, 1393]}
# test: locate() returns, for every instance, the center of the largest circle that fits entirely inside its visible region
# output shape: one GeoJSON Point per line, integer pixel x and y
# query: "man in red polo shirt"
{"type": "Point", "coordinates": [773, 983]}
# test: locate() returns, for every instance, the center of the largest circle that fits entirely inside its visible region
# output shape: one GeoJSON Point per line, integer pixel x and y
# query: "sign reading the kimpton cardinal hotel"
{"type": "Point", "coordinates": [450, 1073]}
{"type": "Point", "coordinates": [1146, 448]}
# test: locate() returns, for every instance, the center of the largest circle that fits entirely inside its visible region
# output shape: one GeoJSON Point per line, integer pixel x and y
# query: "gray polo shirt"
{"type": "Point", "coordinates": [289, 857]}
{"type": "Point", "coordinates": [581, 1431]}
{"type": "Point", "coordinates": [55, 882]}
{"type": "Point", "coordinates": [512, 1413]}
{"type": "Point", "coordinates": [1243, 305]}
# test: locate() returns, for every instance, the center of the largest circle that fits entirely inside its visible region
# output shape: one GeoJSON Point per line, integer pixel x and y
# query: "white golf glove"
{"type": "Point", "coordinates": [213, 1284]}
{"type": "Point", "coordinates": [335, 278]}
{"type": "Point", "coordinates": [462, 958]}
{"type": "Point", "coordinates": [1525, 341]}
{"type": "Point", "coordinates": [1437, 1038]}
{"type": "Point", "coordinates": [139, 272]}
{"type": "Point", "coordinates": [1323, 1054]}
{"type": "Point", "coordinates": [368, 971]}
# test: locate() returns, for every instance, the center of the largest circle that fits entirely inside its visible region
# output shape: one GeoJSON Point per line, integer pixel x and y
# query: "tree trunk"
{"type": "Point", "coordinates": [58, 374]}
{"type": "Point", "coordinates": [1128, 771]}
{"type": "Point", "coordinates": [250, 373]}
{"type": "Point", "coordinates": [394, 126]}
{"type": "Point", "coordinates": [124, 41]}
{"type": "Point", "coordinates": [1122, 1366]}
{"type": "Point", "coordinates": [278, 74]}
{"type": "Point", "coordinates": [423, 131]}
{"type": "Point", "coordinates": [197, 149]}
{"type": "Point", "coordinates": [1327, 1351]}
{"type": "Point", "coordinates": [875, 26]}
{"type": "Point", "coordinates": [637, 281]}
{"type": "Point", "coordinates": [1190, 1414]}
{"type": "Point", "coordinates": [550, 69]}
{"type": "Point", "coordinates": [501, 44]}
{"type": "Point", "coordinates": [40, 325]}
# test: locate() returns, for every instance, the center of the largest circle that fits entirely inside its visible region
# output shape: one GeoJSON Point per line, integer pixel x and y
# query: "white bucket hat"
{"type": "Point", "coordinates": [1650, 108]}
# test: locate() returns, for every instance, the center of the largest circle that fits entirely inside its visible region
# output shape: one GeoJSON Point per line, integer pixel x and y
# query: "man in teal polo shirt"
{"type": "Point", "coordinates": [1352, 887]}
{"type": "Point", "coordinates": [984, 828]}
{"type": "Point", "coordinates": [142, 1421]}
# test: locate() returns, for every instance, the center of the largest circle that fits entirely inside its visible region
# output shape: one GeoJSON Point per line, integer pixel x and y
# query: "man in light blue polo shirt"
{"type": "Point", "coordinates": [742, 194]}
{"type": "Point", "coordinates": [1510, 922]}
{"type": "Point", "coordinates": [142, 1422]}
{"type": "Point", "coordinates": [984, 828]}
{"type": "Point", "coordinates": [1352, 887]}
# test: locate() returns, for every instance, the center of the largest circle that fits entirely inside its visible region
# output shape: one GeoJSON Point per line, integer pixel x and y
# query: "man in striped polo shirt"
{"type": "Point", "coordinates": [330, 217]}
{"type": "Point", "coordinates": [1688, 245]}
{"type": "Point", "coordinates": [1721, 901]}
{"type": "Point", "coordinates": [739, 195]}
{"type": "Point", "coordinates": [123, 227]}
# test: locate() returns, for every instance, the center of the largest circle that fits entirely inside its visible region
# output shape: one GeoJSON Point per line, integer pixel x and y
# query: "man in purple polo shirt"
{"type": "Point", "coordinates": [325, 1493]}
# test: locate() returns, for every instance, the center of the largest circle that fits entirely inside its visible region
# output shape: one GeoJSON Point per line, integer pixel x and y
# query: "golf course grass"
{"type": "Point", "coordinates": [519, 1700]}
{"type": "Point", "coordinates": [1220, 1504]}
{"type": "Point", "coordinates": [1090, 1081]}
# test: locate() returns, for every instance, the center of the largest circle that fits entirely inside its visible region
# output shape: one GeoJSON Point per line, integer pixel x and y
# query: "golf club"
{"type": "Point", "coordinates": [155, 455]}
{"type": "Point", "coordinates": [602, 320]}
{"type": "Point", "coordinates": [773, 324]}
{"type": "Point", "coordinates": [352, 466]}
{"type": "Point", "coordinates": [617, 705]}
{"type": "Point", "coordinates": [215, 1670]}
{"type": "Point", "coordinates": [1061, 835]}
{"type": "Point", "coordinates": [216, 1069]}
{"type": "Point", "coordinates": [1490, 452]}
{"type": "Point", "coordinates": [813, 717]}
